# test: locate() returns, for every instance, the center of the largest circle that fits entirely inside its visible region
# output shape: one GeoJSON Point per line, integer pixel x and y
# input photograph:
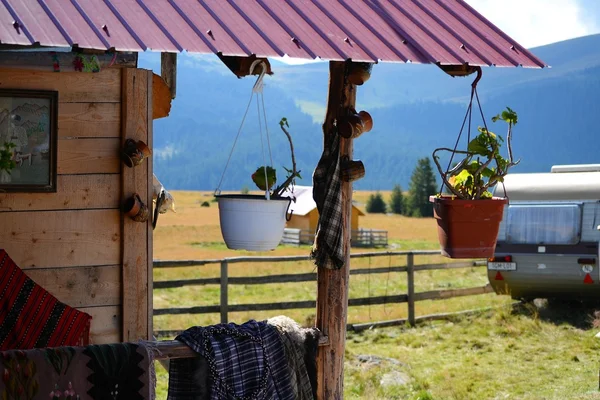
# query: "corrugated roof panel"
{"type": "Point", "coordinates": [108, 25]}
{"type": "Point", "coordinates": [39, 24]}
{"type": "Point", "coordinates": [420, 31]}
{"type": "Point", "coordinates": [8, 33]}
{"type": "Point", "coordinates": [175, 24]}
{"type": "Point", "coordinates": [360, 32]}
{"type": "Point", "coordinates": [137, 17]}
{"type": "Point", "coordinates": [274, 34]}
{"type": "Point", "coordinates": [215, 35]}
{"type": "Point", "coordinates": [73, 26]}
{"type": "Point", "coordinates": [306, 35]}
{"type": "Point", "coordinates": [248, 38]}
{"type": "Point", "coordinates": [350, 36]}
{"type": "Point", "coordinates": [431, 22]}
{"type": "Point", "coordinates": [415, 32]}
{"type": "Point", "coordinates": [384, 34]}
{"type": "Point", "coordinates": [489, 34]}
{"type": "Point", "coordinates": [462, 34]}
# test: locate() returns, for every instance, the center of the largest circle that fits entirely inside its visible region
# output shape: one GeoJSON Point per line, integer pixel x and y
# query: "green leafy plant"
{"type": "Point", "coordinates": [265, 177]}
{"type": "Point", "coordinates": [6, 157]}
{"type": "Point", "coordinates": [482, 166]}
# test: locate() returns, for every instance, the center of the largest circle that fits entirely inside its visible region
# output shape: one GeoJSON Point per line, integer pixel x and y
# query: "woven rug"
{"type": "Point", "coordinates": [30, 317]}
{"type": "Point", "coordinates": [98, 372]}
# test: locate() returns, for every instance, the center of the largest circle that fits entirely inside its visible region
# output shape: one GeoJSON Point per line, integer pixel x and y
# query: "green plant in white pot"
{"type": "Point", "coordinates": [256, 222]}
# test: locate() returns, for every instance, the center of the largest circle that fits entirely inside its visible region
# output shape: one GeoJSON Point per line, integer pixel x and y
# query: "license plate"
{"type": "Point", "coordinates": [502, 266]}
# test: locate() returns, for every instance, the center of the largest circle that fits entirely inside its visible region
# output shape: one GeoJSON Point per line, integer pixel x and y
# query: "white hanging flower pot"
{"type": "Point", "coordinates": [251, 222]}
{"type": "Point", "coordinates": [256, 222]}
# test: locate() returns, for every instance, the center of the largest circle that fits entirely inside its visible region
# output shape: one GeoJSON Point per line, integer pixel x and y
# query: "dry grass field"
{"type": "Point", "coordinates": [193, 233]}
{"type": "Point", "coordinates": [525, 353]}
{"type": "Point", "coordinates": [176, 233]}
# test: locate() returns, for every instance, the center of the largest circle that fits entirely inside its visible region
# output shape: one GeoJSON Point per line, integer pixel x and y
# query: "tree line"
{"type": "Point", "coordinates": [416, 202]}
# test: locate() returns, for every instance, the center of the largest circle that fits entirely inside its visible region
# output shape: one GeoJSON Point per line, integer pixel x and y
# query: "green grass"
{"type": "Point", "coordinates": [509, 352]}
{"type": "Point", "coordinates": [504, 353]}
{"type": "Point", "coordinates": [525, 353]}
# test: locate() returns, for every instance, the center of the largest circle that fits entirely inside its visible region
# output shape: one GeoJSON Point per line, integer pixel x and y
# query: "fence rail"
{"type": "Point", "coordinates": [360, 237]}
{"type": "Point", "coordinates": [224, 308]}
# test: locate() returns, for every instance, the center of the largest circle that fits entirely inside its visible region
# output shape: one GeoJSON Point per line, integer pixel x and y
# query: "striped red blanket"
{"type": "Point", "coordinates": [30, 317]}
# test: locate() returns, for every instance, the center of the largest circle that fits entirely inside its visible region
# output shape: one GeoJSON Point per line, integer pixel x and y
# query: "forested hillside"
{"type": "Point", "coordinates": [415, 109]}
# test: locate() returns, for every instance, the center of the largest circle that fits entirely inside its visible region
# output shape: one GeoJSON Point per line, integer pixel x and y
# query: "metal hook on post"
{"type": "Point", "coordinates": [478, 77]}
{"type": "Point", "coordinates": [258, 86]}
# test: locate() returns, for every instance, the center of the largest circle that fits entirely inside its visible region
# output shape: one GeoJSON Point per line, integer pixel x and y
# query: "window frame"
{"type": "Point", "coordinates": [578, 231]}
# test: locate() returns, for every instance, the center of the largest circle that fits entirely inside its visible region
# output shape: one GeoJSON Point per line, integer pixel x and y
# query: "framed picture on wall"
{"type": "Point", "coordinates": [28, 140]}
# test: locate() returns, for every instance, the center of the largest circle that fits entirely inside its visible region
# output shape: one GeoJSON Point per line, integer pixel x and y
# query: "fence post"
{"type": "Point", "coordinates": [410, 272]}
{"type": "Point", "coordinates": [224, 288]}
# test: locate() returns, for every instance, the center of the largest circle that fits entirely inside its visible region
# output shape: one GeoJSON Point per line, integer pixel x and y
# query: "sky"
{"type": "Point", "coordinates": [535, 23]}
{"type": "Point", "coordinates": [538, 22]}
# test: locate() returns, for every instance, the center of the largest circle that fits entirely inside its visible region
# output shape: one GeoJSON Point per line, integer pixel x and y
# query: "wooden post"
{"type": "Point", "coordinates": [168, 71]}
{"type": "Point", "coordinates": [224, 294]}
{"type": "Point", "coordinates": [137, 236]}
{"type": "Point", "coordinates": [410, 276]}
{"type": "Point", "coordinates": [332, 293]}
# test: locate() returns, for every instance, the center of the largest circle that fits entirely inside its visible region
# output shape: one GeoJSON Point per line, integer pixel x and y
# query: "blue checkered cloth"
{"type": "Point", "coordinates": [245, 361]}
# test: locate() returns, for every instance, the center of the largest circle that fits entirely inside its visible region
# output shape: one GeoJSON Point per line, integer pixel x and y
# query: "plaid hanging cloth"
{"type": "Point", "coordinates": [245, 361]}
{"type": "Point", "coordinates": [30, 317]}
{"type": "Point", "coordinates": [328, 249]}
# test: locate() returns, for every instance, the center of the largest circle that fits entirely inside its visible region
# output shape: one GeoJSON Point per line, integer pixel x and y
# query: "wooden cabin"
{"type": "Point", "coordinates": [305, 215]}
{"type": "Point", "coordinates": [76, 242]}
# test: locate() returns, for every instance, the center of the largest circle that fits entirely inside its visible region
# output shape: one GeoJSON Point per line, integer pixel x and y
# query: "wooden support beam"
{"type": "Point", "coordinates": [137, 236]}
{"type": "Point", "coordinates": [48, 61]}
{"type": "Point", "coordinates": [332, 292]}
{"type": "Point", "coordinates": [168, 71]}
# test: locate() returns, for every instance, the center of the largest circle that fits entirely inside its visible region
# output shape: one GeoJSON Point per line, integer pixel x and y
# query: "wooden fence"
{"type": "Point", "coordinates": [360, 238]}
{"type": "Point", "coordinates": [224, 308]}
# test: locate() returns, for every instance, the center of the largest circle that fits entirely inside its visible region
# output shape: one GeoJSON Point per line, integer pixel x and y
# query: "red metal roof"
{"type": "Point", "coordinates": [420, 31]}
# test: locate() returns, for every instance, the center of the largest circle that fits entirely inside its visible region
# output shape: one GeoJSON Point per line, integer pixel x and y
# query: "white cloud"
{"type": "Point", "coordinates": [295, 61]}
{"type": "Point", "coordinates": [537, 22]}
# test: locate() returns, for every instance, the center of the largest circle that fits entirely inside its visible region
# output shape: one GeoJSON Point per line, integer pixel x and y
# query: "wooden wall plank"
{"type": "Point", "coordinates": [89, 156]}
{"type": "Point", "coordinates": [104, 86]}
{"type": "Point", "coordinates": [81, 286]}
{"type": "Point", "coordinates": [106, 324]}
{"type": "Point", "coordinates": [62, 239]}
{"type": "Point", "coordinates": [137, 117]}
{"type": "Point", "coordinates": [73, 192]}
{"type": "Point", "coordinates": [97, 120]}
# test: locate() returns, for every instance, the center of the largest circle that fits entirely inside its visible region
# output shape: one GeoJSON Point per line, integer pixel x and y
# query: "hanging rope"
{"type": "Point", "coordinates": [262, 99]}
{"type": "Point", "coordinates": [468, 117]}
{"type": "Point", "coordinates": [218, 189]}
{"type": "Point", "coordinates": [258, 89]}
{"type": "Point", "coordinates": [262, 147]}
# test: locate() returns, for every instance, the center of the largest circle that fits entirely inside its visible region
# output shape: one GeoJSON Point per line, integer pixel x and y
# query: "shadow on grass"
{"type": "Point", "coordinates": [581, 315]}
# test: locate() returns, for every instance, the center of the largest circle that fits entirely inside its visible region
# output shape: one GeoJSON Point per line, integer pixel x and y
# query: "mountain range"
{"type": "Point", "coordinates": [415, 108]}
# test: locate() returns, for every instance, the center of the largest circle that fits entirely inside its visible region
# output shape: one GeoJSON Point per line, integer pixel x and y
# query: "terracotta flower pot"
{"type": "Point", "coordinates": [468, 228]}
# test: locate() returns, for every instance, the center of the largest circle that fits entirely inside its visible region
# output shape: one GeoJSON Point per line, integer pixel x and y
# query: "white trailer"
{"type": "Point", "coordinates": [548, 242]}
